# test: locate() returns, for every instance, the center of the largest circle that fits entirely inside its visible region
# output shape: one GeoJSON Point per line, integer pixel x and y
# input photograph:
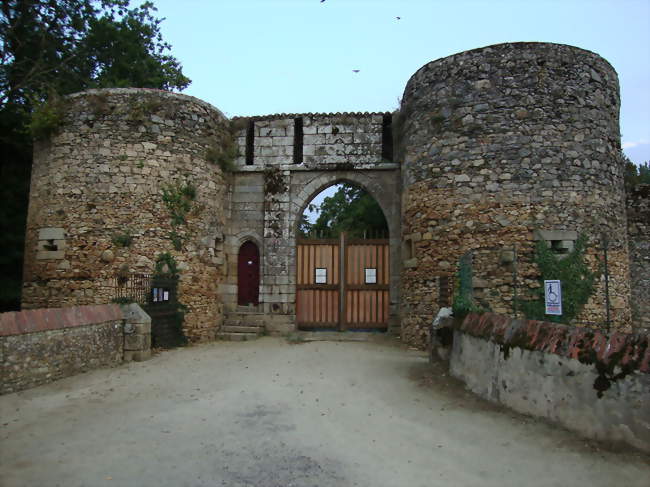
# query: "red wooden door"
{"type": "Point", "coordinates": [248, 275]}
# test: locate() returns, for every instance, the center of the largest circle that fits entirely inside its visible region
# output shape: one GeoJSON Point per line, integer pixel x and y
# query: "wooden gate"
{"type": "Point", "coordinates": [342, 284]}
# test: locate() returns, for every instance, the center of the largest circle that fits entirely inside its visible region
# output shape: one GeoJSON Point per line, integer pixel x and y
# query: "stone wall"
{"type": "Point", "coordinates": [273, 184]}
{"type": "Point", "coordinates": [498, 144]}
{"type": "Point", "coordinates": [638, 224]}
{"type": "Point", "coordinates": [494, 148]}
{"type": "Point", "coordinates": [100, 179]}
{"type": "Point", "coordinates": [40, 346]}
{"type": "Point", "coordinates": [587, 381]}
{"type": "Point", "coordinates": [327, 141]}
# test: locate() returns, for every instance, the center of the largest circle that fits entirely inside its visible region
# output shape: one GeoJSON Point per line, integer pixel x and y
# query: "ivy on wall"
{"type": "Point", "coordinates": [166, 266]}
{"type": "Point", "coordinates": [578, 282]}
{"type": "Point", "coordinates": [463, 304]}
{"type": "Point", "coordinates": [178, 198]}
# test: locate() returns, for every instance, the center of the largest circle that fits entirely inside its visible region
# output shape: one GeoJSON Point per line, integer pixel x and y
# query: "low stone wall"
{"type": "Point", "coordinates": [43, 345]}
{"type": "Point", "coordinates": [589, 382]}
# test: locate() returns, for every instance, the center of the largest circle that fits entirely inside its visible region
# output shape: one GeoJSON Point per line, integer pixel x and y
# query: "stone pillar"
{"type": "Point", "coordinates": [137, 333]}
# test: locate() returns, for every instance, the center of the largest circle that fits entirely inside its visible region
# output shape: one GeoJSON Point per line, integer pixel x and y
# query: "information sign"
{"type": "Point", "coordinates": [553, 297]}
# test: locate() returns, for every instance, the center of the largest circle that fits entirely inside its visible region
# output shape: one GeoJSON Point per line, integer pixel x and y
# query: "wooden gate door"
{"type": "Point", "coordinates": [342, 285]}
{"type": "Point", "coordinates": [248, 275]}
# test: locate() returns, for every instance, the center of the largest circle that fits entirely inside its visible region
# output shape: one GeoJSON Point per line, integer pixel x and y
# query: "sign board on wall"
{"type": "Point", "coordinates": [553, 297]}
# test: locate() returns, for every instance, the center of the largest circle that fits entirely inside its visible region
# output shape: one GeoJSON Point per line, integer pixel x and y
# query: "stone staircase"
{"type": "Point", "coordinates": [242, 325]}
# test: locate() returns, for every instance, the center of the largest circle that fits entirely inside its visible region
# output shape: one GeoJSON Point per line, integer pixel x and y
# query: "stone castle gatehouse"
{"type": "Point", "coordinates": [490, 150]}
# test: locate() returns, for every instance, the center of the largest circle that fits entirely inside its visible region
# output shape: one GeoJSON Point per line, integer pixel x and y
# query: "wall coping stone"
{"type": "Point", "coordinates": [37, 320]}
{"type": "Point", "coordinates": [583, 344]}
{"type": "Point", "coordinates": [133, 313]}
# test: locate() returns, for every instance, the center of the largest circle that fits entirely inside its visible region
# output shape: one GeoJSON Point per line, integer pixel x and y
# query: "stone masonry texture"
{"type": "Point", "coordinates": [500, 142]}
{"type": "Point", "coordinates": [102, 176]}
{"type": "Point", "coordinates": [40, 346]}
{"type": "Point", "coordinates": [638, 221]}
{"type": "Point", "coordinates": [491, 149]}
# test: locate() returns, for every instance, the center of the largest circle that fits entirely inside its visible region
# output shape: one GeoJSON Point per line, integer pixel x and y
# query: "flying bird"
{"type": "Point", "coordinates": [356, 70]}
{"type": "Point", "coordinates": [398, 18]}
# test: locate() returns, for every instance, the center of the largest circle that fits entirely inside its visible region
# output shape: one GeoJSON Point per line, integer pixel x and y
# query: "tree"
{"type": "Point", "coordinates": [57, 47]}
{"type": "Point", "coordinates": [351, 209]}
{"type": "Point", "coordinates": [636, 174]}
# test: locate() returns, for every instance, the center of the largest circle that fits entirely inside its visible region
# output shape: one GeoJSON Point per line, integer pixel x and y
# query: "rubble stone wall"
{"type": "Point", "coordinates": [40, 346]}
{"type": "Point", "coordinates": [101, 178]}
{"type": "Point", "coordinates": [638, 222]}
{"type": "Point", "coordinates": [492, 149]}
{"type": "Point", "coordinates": [498, 143]}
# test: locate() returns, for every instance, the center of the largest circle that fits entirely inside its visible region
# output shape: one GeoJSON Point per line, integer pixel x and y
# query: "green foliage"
{"type": "Point", "coordinates": [636, 174]}
{"type": "Point", "coordinates": [127, 50]}
{"type": "Point", "coordinates": [578, 282]}
{"type": "Point", "coordinates": [463, 303]}
{"type": "Point", "coordinates": [47, 118]}
{"type": "Point", "coordinates": [63, 46]}
{"type": "Point", "coordinates": [141, 109]}
{"type": "Point", "coordinates": [124, 239]}
{"type": "Point", "coordinates": [223, 152]}
{"type": "Point", "coordinates": [177, 240]}
{"type": "Point", "coordinates": [351, 209]}
{"type": "Point", "coordinates": [178, 199]}
{"type": "Point", "coordinates": [166, 266]}
{"type": "Point", "coordinates": [71, 45]}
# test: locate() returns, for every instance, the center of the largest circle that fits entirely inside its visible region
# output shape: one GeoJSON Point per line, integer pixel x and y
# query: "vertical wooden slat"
{"type": "Point", "coordinates": [362, 307]}
{"type": "Point", "coordinates": [342, 271]}
{"type": "Point", "coordinates": [305, 264]}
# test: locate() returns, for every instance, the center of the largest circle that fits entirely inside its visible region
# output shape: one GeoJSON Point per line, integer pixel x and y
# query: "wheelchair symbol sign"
{"type": "Point", "coordinates": [553, 297]}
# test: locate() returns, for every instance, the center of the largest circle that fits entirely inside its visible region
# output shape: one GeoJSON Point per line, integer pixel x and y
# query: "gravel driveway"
{"type": "Point", "coordinates": [272, 414]}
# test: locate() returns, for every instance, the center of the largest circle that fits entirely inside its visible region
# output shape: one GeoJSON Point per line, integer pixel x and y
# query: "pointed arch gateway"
{"type": "Point", "coordinates": [343, 283]}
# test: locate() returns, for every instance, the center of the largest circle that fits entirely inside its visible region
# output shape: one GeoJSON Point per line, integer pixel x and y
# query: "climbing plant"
{"type": "Point", "coordinates": [166, 266]}
{"type": "Point", "coordinates": [578, 282]}
{"type": "Point", "coordinates": [178, 198]}
{"type": "Point", "coordinates": [463, 303]}
{"type": "Point", "coordinates": [222, 149]}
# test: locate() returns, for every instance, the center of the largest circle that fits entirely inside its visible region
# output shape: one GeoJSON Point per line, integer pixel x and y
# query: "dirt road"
{"type": "Point", "coordinates": [271, 414]}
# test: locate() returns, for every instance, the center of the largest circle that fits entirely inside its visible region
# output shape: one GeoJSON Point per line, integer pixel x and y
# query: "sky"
{"type": "Point", "coordinates": [260, 57]}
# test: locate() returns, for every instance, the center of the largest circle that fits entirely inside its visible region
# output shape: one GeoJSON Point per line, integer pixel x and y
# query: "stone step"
{"type": "Point", "coordinates": [246, 316]}
{"type": "Point", "coordinates": [237, 322]}
{"type": "Point", "coordinates": [241, 329]}
{"type": "Point", "coordinates": [237, 319]}
{"type": "Point", "coordinates": [237, 337]}
{"type": "Point", "coordinates": [247, 309]}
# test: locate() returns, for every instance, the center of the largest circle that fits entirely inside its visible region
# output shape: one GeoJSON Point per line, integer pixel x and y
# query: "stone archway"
{"type": "Point", "coordinates": [383, 186]}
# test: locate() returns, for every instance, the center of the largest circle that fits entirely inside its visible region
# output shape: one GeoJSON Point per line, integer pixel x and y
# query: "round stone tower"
{"type": "Point", "coordinates": [502, 146]}
{"type": "Point", "coordinates": [125, 180]}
